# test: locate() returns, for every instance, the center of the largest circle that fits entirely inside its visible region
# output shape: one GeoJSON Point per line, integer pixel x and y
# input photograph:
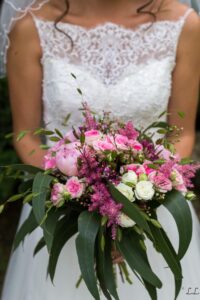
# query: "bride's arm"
{"type": "Point", "coordinates": [185, 88]}
{"type": "Point", "coordinates": [25, 88]}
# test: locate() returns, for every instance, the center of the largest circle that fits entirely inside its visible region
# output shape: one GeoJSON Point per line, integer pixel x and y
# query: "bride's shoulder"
{"type": "Point", "coordinates": [174, 10]}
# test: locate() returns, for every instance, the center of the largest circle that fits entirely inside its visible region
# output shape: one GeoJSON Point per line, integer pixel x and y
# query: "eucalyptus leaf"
{"type": "Point", "coordinates": [180, 210]}
{"type": "Point", "coordinates": [88, 226]}
{"type": "Point", "coordinates": [26, 228]}
{"type": "Point", "coordinates": [41, 185]}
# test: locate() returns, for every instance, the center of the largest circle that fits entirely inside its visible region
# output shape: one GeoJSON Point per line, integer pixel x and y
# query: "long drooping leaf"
{"type": "Point", "coordinates": [150, 288]}
{"type": "Point", "coordinates": [26, 228]}
{"type": "Point", "coordinates": [132, 252]}
{"type": "Point", "coordinates": [25, 168]}
{"type": "Point", "coordinates": [105, 268]}
{"type": "Point", "coordinates": [65, 229]}
{"type": "Point", "coordinates": [178, 282]}
{"type": "Point", "coordinates": [165, 247]}
{"type": "Point", "coordinates": [179, 208]}
{"type": "Point", "coordinates": [49, 226]}
{"type": "Point", "coordinates": [88, 226]}
{"type": "Point", "coordinates": [41, 185]}
{"type": "Point", "coordinates": [130, 208]}
{"type": "Point", "coordinates": [41, 244]}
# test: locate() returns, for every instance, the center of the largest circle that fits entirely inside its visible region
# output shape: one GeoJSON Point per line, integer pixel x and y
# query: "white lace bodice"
{"type": "Point", "coordinates": [123, 70]}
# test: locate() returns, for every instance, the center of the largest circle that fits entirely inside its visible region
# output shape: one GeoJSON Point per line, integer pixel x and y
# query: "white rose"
{"type": "Point", "coordinates": [125, 221]}
{"type": "Point", "coordinates": [126, 191]}
{"type": "Point", "coordinates": [130, 178]}
{"type": "Point", "coordinates": [144, 190]}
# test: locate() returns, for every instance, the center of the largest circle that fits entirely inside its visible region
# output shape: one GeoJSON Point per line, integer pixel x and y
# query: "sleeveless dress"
{"type": "Point", "coordinates": [128, 72]}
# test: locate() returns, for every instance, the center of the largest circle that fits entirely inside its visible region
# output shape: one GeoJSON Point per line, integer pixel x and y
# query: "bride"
{"type": "Point", "coordinates": [132, 63]}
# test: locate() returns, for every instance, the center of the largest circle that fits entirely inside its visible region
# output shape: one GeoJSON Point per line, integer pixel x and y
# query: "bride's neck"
{"type": "Point", "coordinates": [103, 8]}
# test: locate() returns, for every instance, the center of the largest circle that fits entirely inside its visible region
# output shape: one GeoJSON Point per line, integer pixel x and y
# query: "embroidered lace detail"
{"type": "Point", "coordinates": [109, 51]}
{"type": "Point", "coordinates": [125, 71]}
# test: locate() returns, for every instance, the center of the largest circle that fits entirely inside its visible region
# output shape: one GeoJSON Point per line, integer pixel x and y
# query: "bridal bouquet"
{"type": "Point", "coordinates": [104, 182]}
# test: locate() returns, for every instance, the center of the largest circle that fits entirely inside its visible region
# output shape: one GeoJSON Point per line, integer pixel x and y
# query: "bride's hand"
{"type": "Point", "coordinates": [116, 257]}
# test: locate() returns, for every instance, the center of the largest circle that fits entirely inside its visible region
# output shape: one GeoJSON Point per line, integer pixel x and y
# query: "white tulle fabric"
{"type": "Point", "coordinates": [126, 71]}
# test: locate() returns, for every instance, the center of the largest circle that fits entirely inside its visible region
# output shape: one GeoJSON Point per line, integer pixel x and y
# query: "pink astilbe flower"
{"type": "Point", "coordinates": [129, 131]}
{"type": "Point", "coordinates": [149, 150]}
{"type": "Point", "coordinates": [102, 201]}
{"type": "Point", "coordinates": [90, 122]}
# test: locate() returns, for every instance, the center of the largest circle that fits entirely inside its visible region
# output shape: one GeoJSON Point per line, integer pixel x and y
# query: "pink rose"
{"type": "Point", "coordinates": [58, 193]}
{"type": "Point", "coordinates": [92, 135]}
{"type": "Point", "coordinates": [135, 145]}
{"type": "Point", "coordinates": [103, 145]}
{"type": "Point", "coordinates": [181, 188]}
{"type": "Point", "coordinates": [176, 177]}
{"type": "Point", "coordinates": [66, 159]}
{"type": "Point", "coordinates": [75, 187]}
{"type": "Point", "coordinates": [119, 141]}
{"type": "Point", "coordinates": [162, 183]}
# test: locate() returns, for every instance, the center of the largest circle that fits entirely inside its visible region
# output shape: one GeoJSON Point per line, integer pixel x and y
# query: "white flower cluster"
{"type": "Point", "coordinates": [132, 187]}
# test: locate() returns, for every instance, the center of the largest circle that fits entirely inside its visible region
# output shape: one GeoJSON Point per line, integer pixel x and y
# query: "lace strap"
{"type": "Point", "coordinates": [182, 22]}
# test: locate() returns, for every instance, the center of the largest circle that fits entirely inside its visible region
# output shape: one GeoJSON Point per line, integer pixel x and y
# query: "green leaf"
{"type": "Point", "coordinates": [130, 208]}
{"type": "Point", "coordinates": [79, 91]}
{"type": "Point", "coordinates": [54, 139]}
{"type": "Point", "coordinates": [100, 261]}
{"type": "Point", "coordinates": [21, 135]}
{"type": "Point", "coordinates": [181, 114]}
{"type": "Point", "coordinates": [49, 226]}
{"type": "Point", "coordinates": [2, 206]}
{"type": "Point", "coordinates": [167, 250]}
{"type": "Point", "coordinates": [25, 168]}
{"type": "Point", "coordinates": [41, 185]}
{"type": "Point", "coordinates": [15, 197]}
{"type": "Point", "coordinates": [88, 226]}
{"type": "Point", "coordinates": [105, 266]}
{"type": "Point", "coordinates": [26, 228]}
{"type": "Point", "coordinates": [65, 229]}
{"type": "Point", "coordinates": [133, 253]}
{"type": "Point", "coordinates": [41, 244]}
{"type": "Point", "coordinates": [178, 281]}
{"type": "Point", "coordinates": [179, 208]}
{"type": "Point", "coordinates": [59, 133]}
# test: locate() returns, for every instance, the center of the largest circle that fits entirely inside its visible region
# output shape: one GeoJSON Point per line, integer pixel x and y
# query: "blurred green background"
{"type": "Point", "coordinates": [9, 219]}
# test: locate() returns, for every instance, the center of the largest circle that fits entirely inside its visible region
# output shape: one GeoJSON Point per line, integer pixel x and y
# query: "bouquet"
{"type": "Point", "coordinates": [104, 181]}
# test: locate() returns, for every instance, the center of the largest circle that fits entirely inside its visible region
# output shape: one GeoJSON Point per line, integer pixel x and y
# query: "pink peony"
{"type": "Point", "coordinates": [66, 159]}
{"type": "Point", "coordinates": [162, 183]}
{"type": "Point", "coordinates": [75, 187]}
{"type": "Point", "coordinates": [58, 193]}
{"type": "Point", "coordinates": [92, 135]}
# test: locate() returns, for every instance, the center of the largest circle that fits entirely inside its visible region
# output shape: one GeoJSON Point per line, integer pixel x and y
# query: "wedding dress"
{"type": "Point", "coordinates": [128, 72]}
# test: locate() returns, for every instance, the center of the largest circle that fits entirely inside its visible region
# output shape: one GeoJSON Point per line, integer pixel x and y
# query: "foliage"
{"type": "Point", "coordinates": [7, 153]}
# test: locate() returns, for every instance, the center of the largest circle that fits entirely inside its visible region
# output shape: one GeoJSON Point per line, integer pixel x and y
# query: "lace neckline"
{"type": "Point", "coordinates": [111, 25]}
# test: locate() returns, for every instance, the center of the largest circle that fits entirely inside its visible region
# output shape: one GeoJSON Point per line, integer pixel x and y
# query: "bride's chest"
{"type": "Point", "coordinates": [128, 72]}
